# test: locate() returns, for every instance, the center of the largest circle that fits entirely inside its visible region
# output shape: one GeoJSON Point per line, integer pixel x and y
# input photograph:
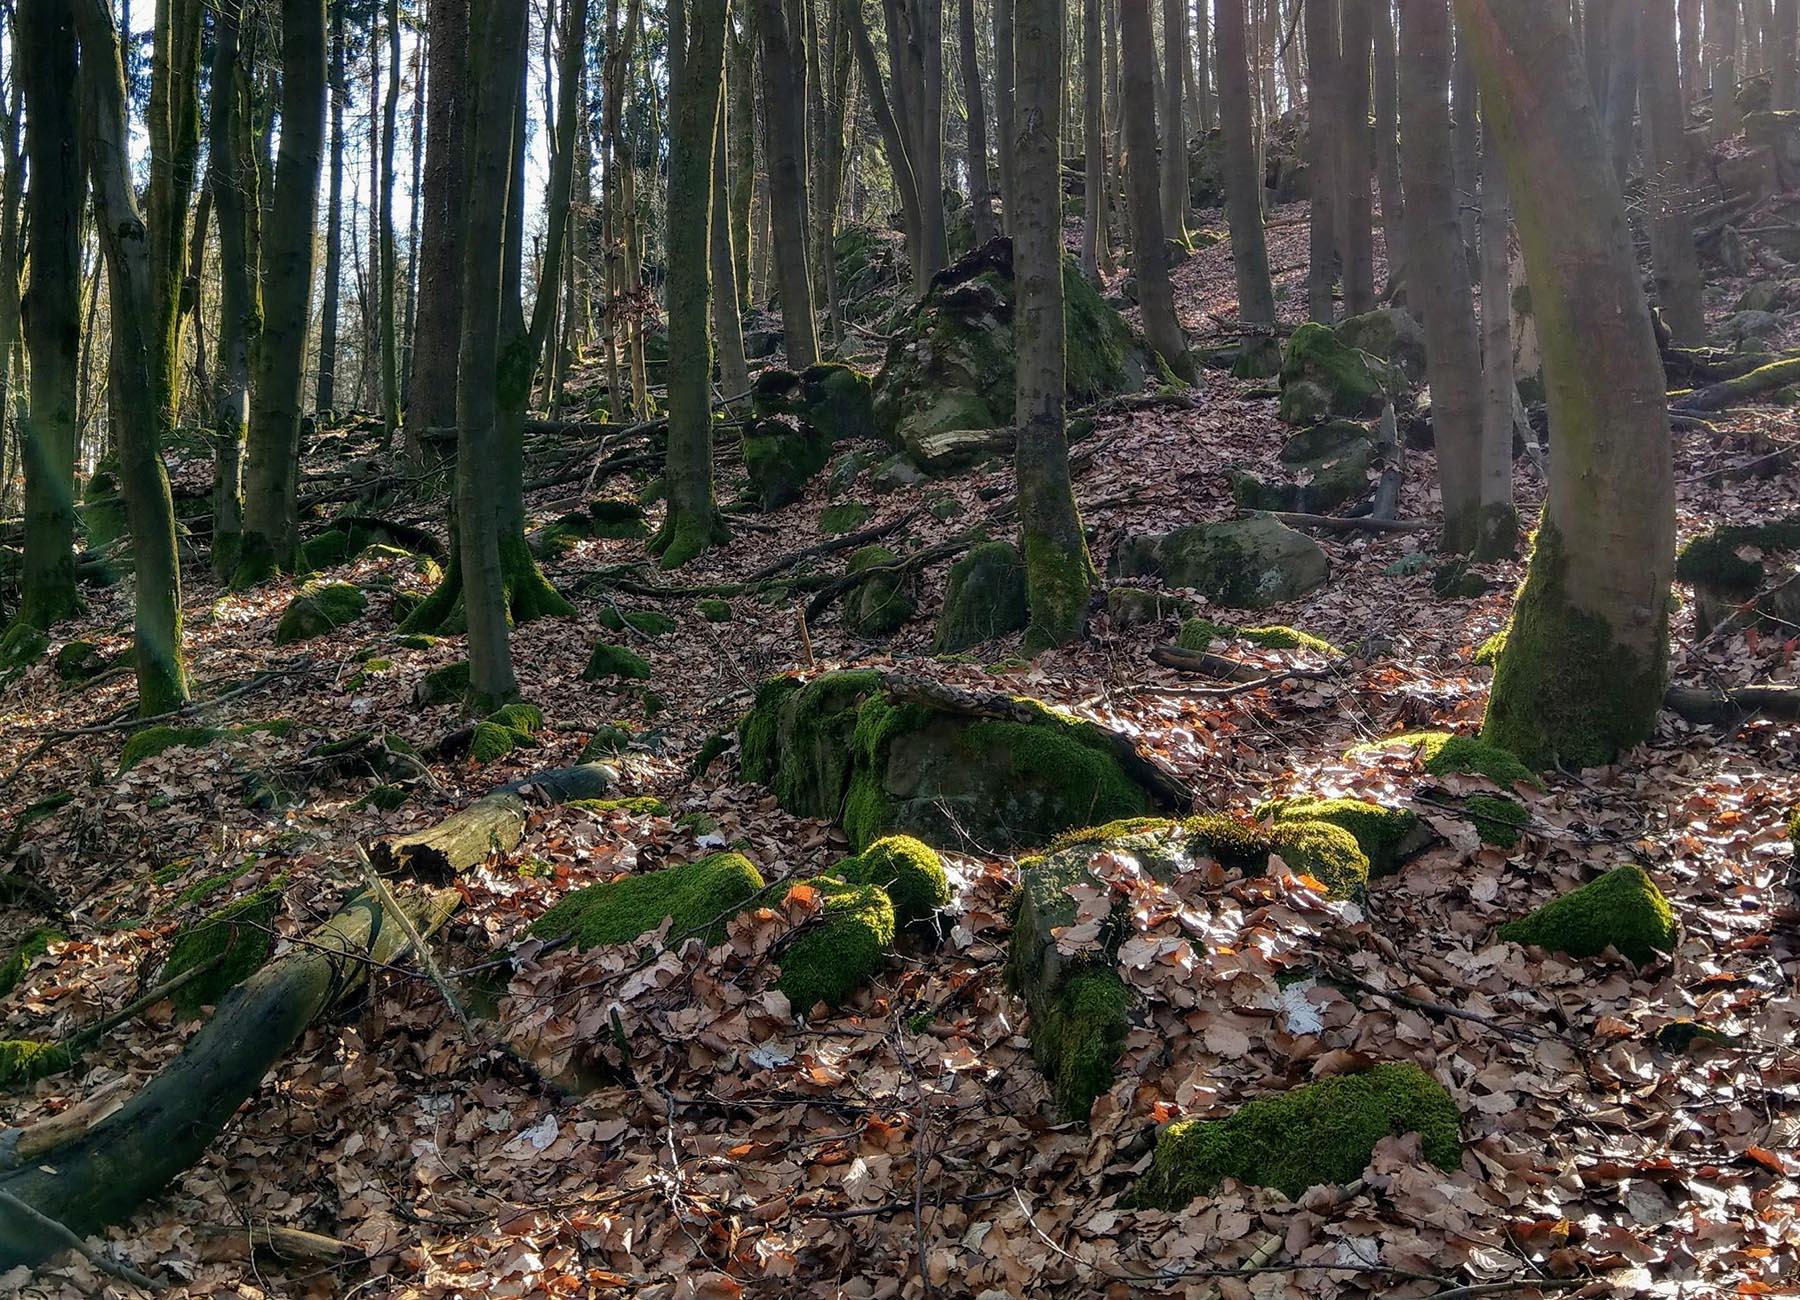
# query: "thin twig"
{"type": "Point", "coordinates": [44, 1223]}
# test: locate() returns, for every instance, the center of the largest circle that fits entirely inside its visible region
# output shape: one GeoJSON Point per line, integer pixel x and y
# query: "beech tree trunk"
{"type": "Point", "coordinates": [1784, 55]}
{"type": "Point", "coordinates": [437, 334]}
{"type": "Point", "coordinates": [1356, 164]}
{"type": "Point", "coordinates": [787, 185]}
{"type": "Point", "coordinates": [1004, 126]}
{"type": "Point", "coordinates": [1094, 218]}
{"type": "Point", "coordinates": [981, 199]}
{"type": "Point", "coordinates": [728, 325]}
{"type": "Point", "coordinates": [45, 62]}
{"type": "Point", "coordinates": [1324, 126]}
{"type": "Point", "coordinates": [325, 383]}
{"type": "Point", "coordinates": [1243, 178]}
{"type": "Point", "coordinates": [1439, 286]}
{"type": "Point", "coordinates": [1581, 676]}
{"type": "Point", "coordinates": [1059, 574]}
{"type": "Point", "coordinates": [1465, 151]}
{"type": "Point", "coordinates": [1174, 168]}
{"type": "Point", "coordinates": [234, 189]}
{"type": "Point", "coordinates": [1387, 143]}
{"type": "Point", "coordinates": [1149, 246]}
{"type": "Point", "coordinates": [1203, 81]}
{"type": "Point", "coordinates": [1672, 252]}
{"type": "Point", "coordinates": [1497, 534]}
{"type": "Point", "coordinates": [390, 349]}
{"type": "Point", "coordinates": [1723, 44]}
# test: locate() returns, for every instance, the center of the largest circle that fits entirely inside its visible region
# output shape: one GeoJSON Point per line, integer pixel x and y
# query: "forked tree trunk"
{"type": "Point", "coordinates": [1149, 246]}
{"type": "Point", "coordinates": [787, 183]}
{"type": "Point", "coordinates": [234, 187]}
{"type": "Point", "coordinates": [1672, 252]}
{"type": "Point", "coordinates": [1439, 286]}
{"type": "Point", "coordinates": [1059, 575]}
{"type": "Point", "coordinates": [45, 63]}
{"type": "Point", "coordinates": [1581, 676]}
{"type": "Point", "coordinates": [1243, 181]}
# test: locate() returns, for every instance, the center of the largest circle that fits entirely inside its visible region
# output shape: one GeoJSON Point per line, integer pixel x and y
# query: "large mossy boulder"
{"type": "Point", "coordinates": [1623, 910]}
{"type": "Point", "coordinates": [1238, 563]}
{"type": "Point", "coordinates": [696, 899]}
{"type": "Point", "coordinates": [984, 597]}
{"type": "Point", "coordinates": [1322, 468]}
{"type": "Point", "coordinates": [835, 399]}
{"type": "Point", "coordinates": [950, 367]}
{"type": "Point", "coordinates": [320, 608]}
{"type": "Point", "coordinates": [1729, 569]}
{"type": "Point", "coordinates": [1390, 334]}
{"type": "Point", "coordinates": [781, 454]}
{"type": "Point", "coordinates": [844, 746]}
{"type": "Point", "coordinates": [1322, 375]}
{"type": "Point", "coordinates": [1320, 1133]}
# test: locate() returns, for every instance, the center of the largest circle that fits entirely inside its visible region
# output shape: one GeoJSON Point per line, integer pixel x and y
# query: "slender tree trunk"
{"type": "Point", "coordinates": [570, 60]}
{"type": "Point", "coordinates": [1059, 575]}
{"type": "Point", "coordinates": [390, 343]}
{"type": "Point", "coordinates": [1693, 76]}
{"type": "Point", "coordinates": [1678, 284]}
{"type": "Point", "coordinates": [234, 187]}
{"type": "Point", "coordinates": [1387, 143]}
{"type": "Point", "coordinates": [1465, 151]}
{"type": "Point", "coordinates": [1357, 161]}
{"type": "Point", "coordinates": [743, 147]}
{"type": "Point", "coordinates": [1324, 111]}
{"type": "Point", "coordinates": [12, 195]}
{"type": "Point", "coordinates": [1497, 534]}
{"type": "Point", "coordinates": [787, 185]}
{"type": "Point", "coordinates": [1582, 673]}
{"type": "Point", "coordinates": [1724, 43]}
{"type": "Point", "coordinates": [271, 530]}
{"type": "Point", "coordinates": [1203, 80]}
{"type": "Point", "coordinates": [325, 384]}
{"type": "Point", "coordinates": [1093, 82]}
{"type": "Point", "coordinates": [1174, 177]}
{"type": "Point", "coordinates": [693, 522]}
{"type": "Point", "coordinates": [44, 60]}
{"type": "Point", "coordinates": [1149, 246]}
{"type": "Point", "coordinates": [143, 320]}
{"type": "Point", "coordinates": [436, 338]}
{"type": "Point", "coordinates": [1243, 178]}
{"type": "Point", "coordinates": [728, 325]}
{"type": "Point", "coordinates": [981, 198]}
{"type": "Point", "coordinates": [1784, 55]}
{"type": "Point", "coordinates": [415, 448]}
{"type": "Point", "coordinates": [1005, 129]}
{"type": "Point", "coordinates": [1440, 285]}
{"type": "Point", "coordinates": [894, 144]}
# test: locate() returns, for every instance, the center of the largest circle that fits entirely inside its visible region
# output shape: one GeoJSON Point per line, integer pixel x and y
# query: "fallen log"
{"type": "Point", "coordinates": [1206, 665]}
{"type": "Point", "coordinates": [1729, 392]}
{"type": "Point", "coordinates": [850, 581]}
{"type": "Point", "coordinates": [1730, 707]}
{"type": "Point", "coordinates": [291, 1245]}
{"type": "Point", "coordinates": [496, 821]}
{"type": "Point", "coordinates": [871, 534]}
{"type": "Point", "coordinates": [1345, 523]}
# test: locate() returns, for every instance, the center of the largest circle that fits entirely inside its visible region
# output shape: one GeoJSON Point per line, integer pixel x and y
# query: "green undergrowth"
{"type": "Point", "coordinates": [1623, 909]}
{"type": "Point", "coordinates": [24, 1060]}
{"type": "Point", "coordinates": [238, 936]}
{"type": "Point", "coordinates": [1318, 1134]}
{"type": "Point", "coordinates": [833, 956]}
{"type": "Point", "coordinates": [510, 727]}
{"type": "Point", "coordinates": [697, 898]}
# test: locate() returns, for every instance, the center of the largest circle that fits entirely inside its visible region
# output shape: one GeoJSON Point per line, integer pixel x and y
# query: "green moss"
{"type": "Point", "coordinates": [77, 661]}
{"type": "Point", "coordinates": [833, 956]}
{"type": "Point", "coordinates": [1326, 852]}
{"type": "Point", "coordinates": [1565, 690]}
{"type": "Point", "coordinates": [881, 604]}
{"type": "Point", "coordinates": [238, 934]}
{"type": "Point", "coordinates": [490, 742]}
{"type": "Point", "coordinates": [527, 718]}
{"type": "Point", "coordinates": [1060, 583]}
{"type": "Point", "coordinates": [21, 646]}
{"type": "Point", "coordinates": [605, 742]}
{"type": "Point", "coordinates": [446, 685]}
{"type": "Point", "coordinates": [608, 660]}
{"type": "Point", "coordinates": [154, 740]}
{"type": "Point", "coordinates": [1079, 1037]}
{"type": "Point", "coordinates": [23, 1060]}
{"type": "Point", "coordinates": [984, 597]}
{"type": "Point", "coordinates": [415, 641]}
{"type": "Point", "coordinates": [759, 750]}
{"type": "Point", "coordinates": [1083, 779]}
{"type": "Point", "coordinates": [909, 870]}
{"type": "Point", "coordinates": [1123, 828]}
{"type": "Point", "coordinates": [333, 546]}
{"type": "Point", "coordinates": [1323, 375]}
{"type": "Point", "coordinates": [697, 898]}
{"type": "Point", "coordinates": [318, 609]}
{"type": "Point", "coordinates": [780, 456]}
{"type": "Point", "coordinates": [649, 622]}
{"type": "Point", "coordinates": [641, 805]}
{"type": "Point", "coordinates": [32, 946]}
{"type": "Point", "coordinates": [1381, 833]}
{"type": "Point", "coordinates": [617, 518]}
{"type": "Point", "coordinates": [846, 517]}
{"type": "Point", "coordinates": [1319, 1134]}
{"type": "Point", "coordinates": [1444, 752]}
{"type": "Point", "coordinates": [1199, 633]}
{"type": "Point", "coordinates": [698, 823]}
{"type": "Point", "coordinates": [1234, 841]}
{"type": "Point", "coordinates": [1490, 650]}
{"type": "Point", "coordinates": [1623, 909]}
{"type": "Point", "coordinates": [202, 889]}
{"type": "Point", "coordinates": [714, 610]}
{"type": "Point", "coordinates": [1498, 820]}
{"type": "Point", "coordinates": [1716, 560]}
{"type": "Point", "coordinates": [1098, 339]}
{"type": "Point", "coordinates": [384, 798]}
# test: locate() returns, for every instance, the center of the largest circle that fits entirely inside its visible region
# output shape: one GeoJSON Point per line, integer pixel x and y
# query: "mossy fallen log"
{"type": "Point", "coordinates": [1730, 392]}
{"type": "Point", "coordinates": [496, 821]}
{"type": "Point", "coordinates": [1730, 707]}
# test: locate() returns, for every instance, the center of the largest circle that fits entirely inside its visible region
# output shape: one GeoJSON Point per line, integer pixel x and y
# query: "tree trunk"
{"type": "Point", "coordinates": [1581, 675]}
{"type": "Point", "coordinates": [1004, 126]}
{"type": "Point", "coordinates": [390, 121]}
{"type": "Point", "coordinates": [1059, 575]}
{"type": "Point", "coordinates": [1723, 44]}
{"type": "Point", "coordinates": [1497, 534]}
{"type": "Point", "coordinates": [1243, 179]}
{"type": "Point", "coordinates": [140, 385]}
{"type": "Point", "coordinates": [1093, 82]}
{"type": "Point", "coordinates": [1324, 155]}
{"type": "Point", "coordinates": [325, 384]}
{"type": "Point", "coordinates": [1356, 160]}
{"type": "Point", "coordinates": [45, 63]}
{"type": "Point", "coordinates": [1784, 55]}
{"type": "Point", "coordinates": [271, 532]}
{"type": "Point", "coordinates": [1387, 144]}
{"type": "Point", "coordinates": [787, 189]}
{"type": "Point", "coordinates": [1174, 121]}
{"type": "Point", "coordinates": [894, 144]}
{"type": "Point", "coordinates": [1203, 65]}
{"type": "Point", "coordinates": [12, 195]}
{"type": "Point", "coordinates": [742, 85]}
{"type": "Point", "coordinates": [981, 197]}
{"type": "Point", "coordinates": [437, 335]}
{"type": "Point", "coordinates": [1693, 76]}
{"type": "Point", "coordinates": [1149, 246]}
{"type": "Point", "coordinates": [728, 325]}
{"type": "Point", "coordinates": [1678, 285]}
{"type": "Point", "coordinates": [1465, 152]}
{"type": "Point", "coordinates": [234, 187]}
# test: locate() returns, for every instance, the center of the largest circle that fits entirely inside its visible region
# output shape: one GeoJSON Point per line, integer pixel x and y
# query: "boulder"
{"type": "Point", "coordinates": [1749, 329]}
{"type": "Point", "coordinates": [318, 609]}
{"type": "Point", "coordinates": [1136, 606]}
{"type": "Point", "coordinates": [1729, 567]}
{"type": "Point", "coordinates": [983, 598]}
{"type": "Point", "coordinates": [1323, 375]}
{"type": "Point", "coordinates": [882, 603]}
{"type": "Point", "coordinates": [1622, 910]}
{"type": "Point", "coordinates": [950, 366]}
{"type": "Point", "coordinates": [1393, 335]}
{"type": "Point", "coordinates": [781, 454]}
{"type": "Point", "coordinates": [834, 398]}
{"type": "Point", "coordinates": [1326, 466]}
{"type": "Point", "coordinates": [1240, 563]}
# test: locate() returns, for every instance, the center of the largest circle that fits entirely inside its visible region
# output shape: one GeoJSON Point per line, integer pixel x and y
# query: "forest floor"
{"type": "Point", "coordinates": [906, 1146]}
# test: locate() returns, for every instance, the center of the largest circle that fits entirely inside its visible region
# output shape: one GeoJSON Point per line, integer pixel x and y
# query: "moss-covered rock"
{"type": "Point", "coordinates": [1442, 753]}
{"type": "Point", "coordinates": [1199, 633]}
{"type": "Point", "coordinates": [320, 608]}
{"type": "Point", "coordinates": [845, 517]}
{"type": "Point", "coordinates": [510, 727]}
{"type": "Point", "coordinates": [23, 1060]}
{"type": "Point", "coordinates": [781, 454]}
{"type": "Point", "coordinates": [796, 739]}
{"type": "Point", "coordinates": [835, 400]}
{"type": "Point", "coordinates": [909, 870]}
{"type": "Point", "coordinates": [154, 740]}
{"type": "Point", "coordinates": [647, 622]}
{"type": "Point", "coordinates": [78, 661]}
{"type": "Point", "coordinates": [606, 742]}
{"type": "Point", "coordinates": [882, 603]}
{"type": "Point", "coordinates": [1240, 563]}
{"type": "Point", "coordinates": [1135, 606]}
{"type": "Point", "coordinates": [832, 957]}
{"type": "Point", "coordinates": [714, 610]}
{"type": "Point", "coordinates": [1623, 910]}
{"type": "Point", "coordinates": [1318, 1134]}
{"type": "Point", "coordinates": [103, 508]}
{"type": "Point", "coordinates": [232, 941]}
{"type": "Point", "coordinates": [1390, 334]}
{"type": "Point", "coordinates": [21, 646]}
{"type": "Point", "coordinates": [1498, 820]}
{"type": "Point", "coordinates": [1385, 835]}
{"type": "Point", "coordinates": [1324, 851]}
{"type": "Point", "coordinates": [1455, 580]}
{"type": "Point", "coordinates": [615, 661]}
{"type": "Point", "coordinates": [448, 684]}
{"type": "Point", "coordinates": [1728, 567]}
{"type": "Point", "coordinates": [638, 805]}
{"type": "Point", "coordinates": [1322, 375]}
{"type": "Point", "coordinates": [333, 546]}
{"type": "Point", "coordinates": [34, 945]}
{"type": "Point", "coordinates": [696, 898]}
{"type": "Point", "coordinates": [1322, 468]}
{"type": "Point", "coordinates": [617, 518]}
{"type": "Point", "coordinates": [985, 597]}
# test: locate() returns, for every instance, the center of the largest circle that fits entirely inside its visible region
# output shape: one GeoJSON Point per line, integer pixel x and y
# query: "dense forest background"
{"type": "Point", "coordinates": [1032, 647]}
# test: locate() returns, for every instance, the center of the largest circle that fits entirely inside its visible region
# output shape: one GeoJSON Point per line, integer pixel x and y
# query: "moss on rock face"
{"type": "Point", "coordinates": [1443, 752]}
{"type": "Point", "coordinates": [318, 609]}
{"type": "Point", "coordinates": [1717, 559]}
{"type": "Point", "coordinates": [77, 661]}
{"type": "Point", "coordinates": [1383, 834]}
{"type": "Point", "coordinates": [780, 455]}
{"type": "Point", "coordinates": [796, 739]}
{"type": "Point", "coordinates": [1079, 1037]}
{"type": "Point", "coordinates": [714, 610]}
{"type": "Point", "coordinates": [154, 740]}
{"type": "Point", "coordinates": [1198, 633]}
{"type": "Point", "coordinates": [1322, 375]}
{"type": "Point", "coordinates": [834, 956]}
{"type": "Point", "coordinates": [909, 870]}
{"type": "Point", "coordinates": [31, 947]}
{"type": "Point", "coordinates": [617, 518]}
{"type": "Point", "coordinates": [1328, 467]}
{"type": "Point", "coordinates": [1325, 851]}
{"type": "Point", "coordinates": [697, 899]}
{"type": "Point", "coordinates": [606, 741]}
{"type": "Point", "coordinates": [510, 727]}
{"type": "Point", "coordinates": [831, 398]}
{"type": "Point", "coordinates": [647, 622]}
{"type": "Point", "coordinates": [1241, 563]}
{"type": "Point", "coordinates": [1318, 1134]}
{"type": "Point", "coordinates": [608, 660]}
{"type": "Point", "coordinates": [1622, 909]}
{"type": "Point", "coordinates": [236, 937]}
{"type": "Point", "coordinates": [21, 646]}
{"type": "Point", "coordinates": [1498, 820]}
{"type": "Point", "coordinates": [985, 597]}
{"type": "Point", "coordinates": [448, 684]}
{"type": "Point", "coordinates": [23, 1060]}
{"type": "Point", "coordinates": [845, 517]}
{"type": "Point", "coordinates": [1389, 334]}
{"type": "Point", "coordinates": [880, 604]}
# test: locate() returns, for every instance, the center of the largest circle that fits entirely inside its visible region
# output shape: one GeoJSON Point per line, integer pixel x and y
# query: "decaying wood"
{"type": "Point", "coordinates": [1728, 392]}
{"type": "Point", "coordinates": [291, 1245]}
{"type": "Point", "coordinates": [1351, 524]}
{"type": "Point", "coordinates": [1206, 665]}
{"type": "Point", "coordinates": [495, 822]}
{"type": "Point", "coordinates": [1729, 707]}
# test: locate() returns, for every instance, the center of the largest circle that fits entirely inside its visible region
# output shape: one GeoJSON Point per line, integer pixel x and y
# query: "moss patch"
{"type": "Point", "coordinates": [446, 685]}
{"type": "Point", "coordinates": [640, 805]}
{"type": "Point", "coordinates": [608, 660]}
{"type": "Point", "coordinates": [714, 610]}
{"type": "Point", "coordinates": [1444, 752]}
{"type": "Point", "coordinates": [238, 935]}
{"type": "Point", "coordinates": [77, 661]}
{"type": "Point", "coordinates": [832, 957]}
{"type": "Point", "coordinates": [31, 947]}
{"type": "Point", "coordinates": [1498, 820]}
{"type": "Point", "coordinates": [1322, 375]}
{"type": "Point", "coordinates": [1079, 1037]}
{"type": "Point", "coordinates": [1729, 560]}
{"type": "Point", "coordinates": [1381, 833]}
{"type": "Point", "coordinates": [1321, 1133]}
{"type": "Point", "coordinates": [23, 1060]}
{"type": "Point", "coordinates": [846, 517]}
{"type": "Point", "coordinates": [985, 597]}
{"type": "Point", "coordinates": [318, 609]}
{"type": "Point", "coordinates": [605, 743]}
{"type": "Point", "coordinates": [909, 870]}
{"type": "Point", "coordinates": [1623, 909]}
{"type": "Point", "coordinates": [697, 899]}
{"type": "Point", "coordinates": [1199, 633]}
{"type": "Point", "coordinates": [881, 603]}
{"type": "Point", "coordinates": [1325, 851]}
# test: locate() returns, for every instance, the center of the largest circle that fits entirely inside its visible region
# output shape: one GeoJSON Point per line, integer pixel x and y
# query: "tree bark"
{"type": "Point", "coordinates": [1203, 65]}
{"type": "Point", "coordinates": [1724, 48]}
{"type": "Point", "coordinates": [1243, 180]}
{"type": "Point", "coordinates": [728, 325]}
{"type": "Point", "coordinates": [1174, 121]}
{"type": "Point", "coordinates": [1581, 676]}
{"type": "Point", "coordinates": [1693, 77]}
{"type": "Point", "coordinates": [1059, 574]}
{"type": "Point", "coordinates": [787, 185]}
{"type": "Point", "coordinates": [1324, 125]}
{"type": "Point", "coordinates": [1465, 152]}
{"type": "Point", "coordinates": [1387, 144]}
{"type": "Point", "coordinates": [1497, 534]}
{"type": "Point", "coordinates": [234, 188]}
{"type": "Point", "coordinates": [438, 331]}
{"type": "Point", "coordinates": [390, 343]}
{"type": "Point", "coordinates": [1440, 284]}
{"type": "Point", "coordinates": [1677, 264]}
{"type": "Point", "coordinates": [271, 532]}
{"type": "Point", "coordinates": [45, 64]}
{"type": "Point", "coordinates": [1357, 161]}
{"type": "Point", "coordinates": [1784, 73]}
{"type": "Point", "coordinates": [1005, 127]}
{"type": "Point", "coordinates": [981, 198]}
{"type": "Point", "coordinates": [1149, 246]}
{"type": "Point", "coordinates": [325, 383]}
{"type": "Point", "coordinates": [894, 144]}
{"type": "Point", "coordinates": [1094, 217]}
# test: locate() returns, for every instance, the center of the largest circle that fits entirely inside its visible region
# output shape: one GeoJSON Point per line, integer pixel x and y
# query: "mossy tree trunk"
{"type": "Point", "coordinates": [140, 387]}
{"type": "Point", "coordinates": [1581, 676]}
{"type": "Point", "coordinates": [438, 329]}
{"type": "Point", "coordinates": [46, 65]}
{"type": "Point", "coordinates": [1093, 122]}
{"type": "Point", "coordinates": [781, 86]}
{"type": "Point", "coordinates": [1149, 247]}
{"type": "Point", "coordinates": [693, 522]}
{"type": "Point", "coordinates": [1356, 163]}
{"type": "Point", "coordinates": [271, 528]}
{"type": "Point", "coordinates": [1439, 286]}
{"type": "Point", "coordinates": [1243, 179]}
{"type": "Point", "coordinates": [1671, 228]}
{"type": "Point", "coordinates": [1059, 575]}
{"type": "Point", "coordinates": [1176, 72]}
{"type": "Point", "coordinates": [325, 381]}
{"type": "Point", "coordinates": [234, 187]}
{"type": "Point", "coordinates": [981, 204]}
{"type": "Point", "coordinates": [1497, 534]}
{"type": "Point", "coordinates": [1323, 154]}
